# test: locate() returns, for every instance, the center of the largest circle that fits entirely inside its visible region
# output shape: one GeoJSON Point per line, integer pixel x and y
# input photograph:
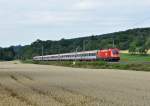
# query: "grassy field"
{"type": "Point", "coordinates": [127, 62]}
{"type": "Point", "coordinates": [128, 58]}
{"type": "Point", "coordinates": [127, 51]}
{"type": "Point", "coordinates": [46, 85]}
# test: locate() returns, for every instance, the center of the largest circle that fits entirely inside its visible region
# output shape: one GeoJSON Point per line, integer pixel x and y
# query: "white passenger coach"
{"type": "Point", "coordinates": [86, 55]}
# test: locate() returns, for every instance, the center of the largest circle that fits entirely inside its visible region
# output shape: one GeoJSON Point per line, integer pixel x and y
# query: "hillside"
{"type": "Point", "coordinates": [124, 40]}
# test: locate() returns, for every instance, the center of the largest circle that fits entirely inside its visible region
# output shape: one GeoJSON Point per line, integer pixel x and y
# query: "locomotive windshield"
{"type": "Point", "coordinates": [115, 52]}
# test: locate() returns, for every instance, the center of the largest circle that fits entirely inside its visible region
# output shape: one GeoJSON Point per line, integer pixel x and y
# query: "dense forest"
{"type": "Point", "coordinates": [135, 40]}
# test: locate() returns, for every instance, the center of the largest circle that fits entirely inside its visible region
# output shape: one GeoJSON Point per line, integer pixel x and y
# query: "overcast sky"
{"type": "Point", "coordinates": [24, 21]}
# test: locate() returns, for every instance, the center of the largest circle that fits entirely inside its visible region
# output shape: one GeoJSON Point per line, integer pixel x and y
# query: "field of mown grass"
{"type": "Point", "coordinates": [46, 85]}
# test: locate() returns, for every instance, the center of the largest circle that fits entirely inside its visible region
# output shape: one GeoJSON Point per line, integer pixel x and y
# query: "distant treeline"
{"type": "Point", "coordinates": [137, 41]}
{"type": "Point", "coordinates": [7, 54]}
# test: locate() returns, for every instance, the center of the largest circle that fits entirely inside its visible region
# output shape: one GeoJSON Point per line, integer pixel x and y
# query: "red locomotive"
{"type": "Point", "coordinates": [108, 55]}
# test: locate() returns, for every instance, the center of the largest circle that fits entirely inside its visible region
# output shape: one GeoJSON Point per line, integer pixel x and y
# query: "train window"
{"type": "Point", "coordinates": [83, 54]}
{"type": "Point", "coordinates": [92, 54]}
{"type": "Point", "coordinates": [115, 52]}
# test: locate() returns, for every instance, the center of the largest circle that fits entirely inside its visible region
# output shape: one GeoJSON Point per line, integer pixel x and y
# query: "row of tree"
{"type": "Point", "coordinates": [7, 53]}
{"type": "Point", "coordinates": [137, 41]}
{"type": "Point", "coordinates": [140, 46]}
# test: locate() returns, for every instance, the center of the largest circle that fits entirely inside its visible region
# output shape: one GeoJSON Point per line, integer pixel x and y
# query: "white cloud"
{"type": "Point", "coordinates": [86, 4]}
{"type": "Point", "coordinates": [110, 4]}
{"type": "Point", "coordinates": [21, 18]}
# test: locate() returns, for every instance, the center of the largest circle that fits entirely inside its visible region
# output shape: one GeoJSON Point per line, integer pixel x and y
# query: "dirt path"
{"type": "Point", "coordinates": [43, 85]}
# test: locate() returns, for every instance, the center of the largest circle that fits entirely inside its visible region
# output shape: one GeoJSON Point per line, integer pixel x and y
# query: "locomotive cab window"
{"type": "Point", "coordinates": [115, 52]}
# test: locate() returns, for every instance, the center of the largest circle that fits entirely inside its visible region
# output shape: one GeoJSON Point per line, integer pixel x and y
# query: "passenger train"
{"type": "Point", "coordinates": [107, 55]}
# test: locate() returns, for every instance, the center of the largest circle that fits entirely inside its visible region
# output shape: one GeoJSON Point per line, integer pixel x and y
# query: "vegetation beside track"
{"type": "Point", "coordinates": [128, 62]}
{"type": "Point", "coordinates": [128, 58]}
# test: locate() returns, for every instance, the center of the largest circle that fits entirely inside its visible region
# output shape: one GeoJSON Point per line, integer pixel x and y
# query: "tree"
{"type": "Point", "coordinates": [132, 48]}
{"type": "Point", "coordinates": [136, 40]}
{"type": "Point", "coordinates": [7, 54]}
{"type": "Point", "coordinates": [147, 44]}
{"type": "Point", "coordinates": [142, 50]}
